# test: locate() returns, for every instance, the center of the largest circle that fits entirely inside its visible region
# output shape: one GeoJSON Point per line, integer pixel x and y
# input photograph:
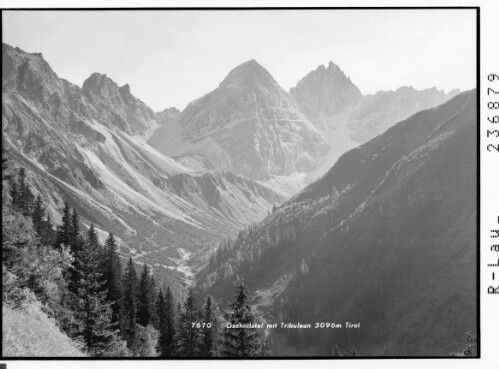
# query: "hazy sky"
{"type": "Point", "coordinates": [172, 57]}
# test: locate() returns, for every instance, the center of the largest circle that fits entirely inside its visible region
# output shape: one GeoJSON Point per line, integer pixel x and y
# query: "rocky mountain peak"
{"type": "Point", "coordinates": [28, 73]}
{"type": "Point", "coordinates": [101, 85]}
{"type": "Point", "coordinates": [249, 124]}
{"type": "Point", "coordinates": [325, 91]}
{"type": "Point", "coordinates": [330, 75]}
{"type": "Point", "coordinates": [130, 113]}
{"type": "Point", "coordinates": [249, 74]}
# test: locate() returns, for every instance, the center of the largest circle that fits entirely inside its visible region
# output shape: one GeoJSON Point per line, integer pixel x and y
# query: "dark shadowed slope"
{"type": "Point", "coordinates": [386, 238]}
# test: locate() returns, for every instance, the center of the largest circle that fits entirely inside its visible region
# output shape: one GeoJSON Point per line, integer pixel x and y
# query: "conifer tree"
{"type": "Point", "coordinates": [240, 342]}
{"type": "Point", "coordinates": [189, 337]}
{"type": "Point", "coordinates": [161, 312]}
{"type": "Point", "coordinates": [169, 332]}
{"type": "Point", "coordinates": [48, 234]}
{"type": "Point", "coordinates": [165, 310]}
{"type": "Point", "coordinates": [144, 302]}
{"type": "Point", "coordinates": [111, 273]}
{"type": "Point", "coordinates": [38, 214]}
{"type": "Point", "coordinates": [93, 239]}
{"type": "Point", "coordinates": [93, 312]}
{"type": "Point", "coordinates": [129, 306]}
{"type": "Point", "coordinates": [14, 193]}
{"type": "Point", "coordinates": [70, 232]}
{"type": "Point", "coordinates": [25, 195]}
{"type": "Point", "coordinates": [153, 293]}
{"type": "Point", "coordinates": [75, 240]}
{"type": "Point", "coordinates": [65, 230]}
{"type": "Point", "coordinates": [208, 346]}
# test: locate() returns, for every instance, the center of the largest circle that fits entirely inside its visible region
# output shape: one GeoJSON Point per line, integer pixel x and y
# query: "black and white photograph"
{"type": "Point", "coordinates": [242, 183]}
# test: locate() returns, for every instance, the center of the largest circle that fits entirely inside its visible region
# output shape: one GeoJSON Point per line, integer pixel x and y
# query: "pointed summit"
{"type": "Point", "coordinates": [101, 84]}
{"type": "Point", "coordinates": [249, 73]}
{"type": "Point", "coordinates": [249, 125]}
{"type": "Point", "coordinates": [325, 91]}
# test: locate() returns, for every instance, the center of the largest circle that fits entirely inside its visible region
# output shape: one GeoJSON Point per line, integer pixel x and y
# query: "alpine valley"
{"type": "Point", "coordinates": [331, 205]}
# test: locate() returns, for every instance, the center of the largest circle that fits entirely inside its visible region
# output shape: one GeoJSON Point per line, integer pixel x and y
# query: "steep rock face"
{"type": "Point", "coordinates": [87, 146]}
{"type": "Point", "coordinates": [249, 125]}
{"type": "Point", "coordinates": [125, 110]}
{"type": "Point", "coordinates": [376, 113]}
{"type": "Point", "coordinates": [325, 92]}
{"type": "Point", "coordinates": [386, 238]}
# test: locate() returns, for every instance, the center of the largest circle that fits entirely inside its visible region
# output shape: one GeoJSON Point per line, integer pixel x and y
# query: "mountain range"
{"type": "Point", "coordinates": [248, 125]}
{"type": "Point", "coordinates": [346, 118]}
{"type": "Point", "coordinates": [88, 146]}
{"type": "Point", "coordinates": [333, 205]}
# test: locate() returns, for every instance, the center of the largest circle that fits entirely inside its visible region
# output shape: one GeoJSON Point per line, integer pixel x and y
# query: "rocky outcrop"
{"type": "Point", "coordinates": [121, 107]}
{"type": "Point", "coordinates": [326, 91]}
{"type": "Point", "coordinates": [166, 116]}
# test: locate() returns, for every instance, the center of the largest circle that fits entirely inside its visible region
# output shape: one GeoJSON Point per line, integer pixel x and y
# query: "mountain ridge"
{"type": "Point", "coordinates": [249, 124]}
{"type": "Point", "coordinates": [88, 146]}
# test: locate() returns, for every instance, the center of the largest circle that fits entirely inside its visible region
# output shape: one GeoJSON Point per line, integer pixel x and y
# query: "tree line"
{"type": "Point", "coordinates": [100, 303]}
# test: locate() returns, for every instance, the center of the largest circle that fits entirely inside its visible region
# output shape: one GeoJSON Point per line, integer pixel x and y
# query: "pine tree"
{"type": "Point", "coordinates": [25, 195]}
{"type": "Point", "coordinates": [38, 215]}
{"type": "Point", "coordinates": [92, 311]}
{"type": "Point", "coordinates": [70, 233]}
{"type": "Point", "coordinates": [14, 194]}
{"type": "Point", "coordinates": [47, 233]}
{"type": "Point", "coordinates": [144, 302]}
{"type": "Point", "coordinates": [76, 241]}
{"type": "Point", "coordinates": [162, 347]}
{"type": "Point", "coordinates": [93, 239]}
{"type": "Point", "coordinates": [129, 307]}
{"type": "Point", "coordinates": [189, 337]}
{"type": "Point", "coordinates": [240, 342]}
{"type": "Point", "coordinates": [111, 273]}
{"type": "Point", "coordinates": [170, 331]}
{"type": "Point", "coordinates": [166, 324]}
{"type": "Point", "coordinates": [208, 346]}
{"type": "Point", "coordinates": [153, 293]}
{"type": "Point", "coordinates": [65, 230]}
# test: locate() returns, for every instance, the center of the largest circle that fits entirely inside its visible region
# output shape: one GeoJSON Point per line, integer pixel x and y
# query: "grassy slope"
{"type": "Point", "coordinates": [32, 333]}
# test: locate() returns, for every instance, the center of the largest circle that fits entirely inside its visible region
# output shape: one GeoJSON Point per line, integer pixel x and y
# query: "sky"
{"type": "Point", "coordinates": [170, 58]}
